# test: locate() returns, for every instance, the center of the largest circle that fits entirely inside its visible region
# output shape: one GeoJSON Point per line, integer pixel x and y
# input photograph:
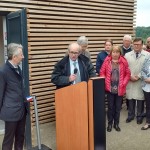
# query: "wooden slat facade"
{"type": "Point", "coordinates": [53, 24]}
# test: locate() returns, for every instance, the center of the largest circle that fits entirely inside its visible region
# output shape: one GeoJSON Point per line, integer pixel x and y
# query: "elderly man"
{"type": "Point", "coordinates": [73, 68]}
{"type": "Point", "coordinates": [12, 100]}
{"type": "Point", "coordinates": [126, 47]}
{"type": "Point", "coordinates": [134, 91]}
{"type": "Point", "coordinates": [83, 42]}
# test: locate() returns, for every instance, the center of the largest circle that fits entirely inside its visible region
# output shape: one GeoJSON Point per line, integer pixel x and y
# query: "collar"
{"type": "Point", "coordinates": [137, 52]}
{"type": "Point", "coordinates": [73, 61]}
{"type": "Point", "coordinates": [126, 48]}
{"type": "Point", "coordinates": [15, 66]}
{"type": "Point", "coordinates": [107, 52]}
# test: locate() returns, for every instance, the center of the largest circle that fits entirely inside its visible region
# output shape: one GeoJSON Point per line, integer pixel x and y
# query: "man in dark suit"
{"type": "Point", "coordinates": [12, 100]}
{"type": "Point", "coordinates": [73, 68]}
{"type": "Point", "coordinates": [127, 44]}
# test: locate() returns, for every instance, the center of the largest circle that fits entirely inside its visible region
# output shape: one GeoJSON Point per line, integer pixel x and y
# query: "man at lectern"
{"type": "Point", "coordinates": [73, 68]}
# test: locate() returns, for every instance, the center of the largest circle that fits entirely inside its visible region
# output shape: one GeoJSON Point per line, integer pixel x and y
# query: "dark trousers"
{"type": "Point", "coordinates": [14, 133]}
{"type": "Point", "coordinates": [114, 108]}
{"type": "Point", "coordinates": [147, 99]}
{"type": "Point", "coordinates": [127, 103]}
{"type": "Point", "coordinates": [140, 109]}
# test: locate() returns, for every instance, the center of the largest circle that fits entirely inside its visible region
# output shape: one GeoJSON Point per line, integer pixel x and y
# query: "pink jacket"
{"type": "Point", "coordinates": [124, 74]}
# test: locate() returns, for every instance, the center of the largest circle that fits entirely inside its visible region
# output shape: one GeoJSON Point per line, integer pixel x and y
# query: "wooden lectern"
{"type": "Point", "coordinates": [80, 116]}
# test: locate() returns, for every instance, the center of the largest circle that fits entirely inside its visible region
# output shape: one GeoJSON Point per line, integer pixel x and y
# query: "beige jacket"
{"type": "Point", "coordinates": [134, 89]}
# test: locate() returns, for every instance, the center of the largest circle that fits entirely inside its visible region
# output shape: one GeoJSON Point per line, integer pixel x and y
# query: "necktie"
{"type": "Point", "coordinates": [78, 78]}
{"type": "Point", "coordinates": [137, 54]}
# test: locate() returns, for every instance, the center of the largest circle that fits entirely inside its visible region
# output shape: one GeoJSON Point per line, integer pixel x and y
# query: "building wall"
{"type": "Point", "coordinates": [53, 24]}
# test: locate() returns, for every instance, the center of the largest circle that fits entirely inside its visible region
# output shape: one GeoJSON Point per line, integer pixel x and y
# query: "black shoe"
{"type": "Point", "coordinates": [129, 120]}
{"type": "Point", "coordinates": [147, 126]}
{"type": "Point", "coordinates": [144, 115]}
{"type": "Point", "coordinates": [109, 128]}
{"type": "Point", "coordinates": [117, 127]}
{"type": "Point", "coordinates": [139, 121]}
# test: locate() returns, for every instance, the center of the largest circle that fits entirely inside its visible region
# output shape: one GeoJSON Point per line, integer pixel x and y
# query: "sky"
{"type": "Point", "coordinates": [143, 13]}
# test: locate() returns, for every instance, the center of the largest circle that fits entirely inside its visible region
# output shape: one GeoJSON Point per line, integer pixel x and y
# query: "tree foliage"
{"type": "Point", "coordinates": [143, 32]}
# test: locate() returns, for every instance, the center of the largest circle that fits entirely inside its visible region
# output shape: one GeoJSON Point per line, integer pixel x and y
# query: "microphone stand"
{"type": "Point", "coordinates": [40, 146]}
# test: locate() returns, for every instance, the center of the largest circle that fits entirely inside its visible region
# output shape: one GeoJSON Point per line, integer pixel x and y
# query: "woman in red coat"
{"type": "Point", "coordinates": [117, 74]}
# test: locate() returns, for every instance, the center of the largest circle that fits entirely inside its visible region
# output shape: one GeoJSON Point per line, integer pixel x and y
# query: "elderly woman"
{"type": "Point", "coordinates": [145, 75]}
{"type": "Point", "coordinates": [117, 74]}
{"type": "Point", "coordinates": [83, 42]}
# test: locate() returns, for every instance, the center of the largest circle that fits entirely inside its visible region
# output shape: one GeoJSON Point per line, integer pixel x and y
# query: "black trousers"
{"type": "Point", "coordinates": [114, 108]}
{"type": "Point", "coordinates": [14, 133]}
{"type": "Point", "coordinates": [147, 99]}
{"type": "Point", "coordinates": [140, 109]}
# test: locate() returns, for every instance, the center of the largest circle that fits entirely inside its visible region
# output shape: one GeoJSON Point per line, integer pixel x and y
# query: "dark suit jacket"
{"type": "Point", "coordinates": [12, 106]}
{"type": "Point", "coordinates": [61, 73]}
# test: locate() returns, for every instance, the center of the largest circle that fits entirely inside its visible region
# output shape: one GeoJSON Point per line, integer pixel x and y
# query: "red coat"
{"type": "Point", "coordinates": [124, 74]}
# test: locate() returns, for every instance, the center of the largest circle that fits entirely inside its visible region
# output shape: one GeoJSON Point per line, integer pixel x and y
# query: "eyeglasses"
{"type": "Point", "coordinates": [137, 44]}
{"type": "Point", "coordinates": [75, 53]}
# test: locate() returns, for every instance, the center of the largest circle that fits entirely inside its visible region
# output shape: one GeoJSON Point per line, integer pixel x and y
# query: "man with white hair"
{"type": "Point", "coordinates": [12, 99]}
{"type": "Point", "coordinates": [83, 42]}
{"type": "Point", "coordinates": [126, 47]}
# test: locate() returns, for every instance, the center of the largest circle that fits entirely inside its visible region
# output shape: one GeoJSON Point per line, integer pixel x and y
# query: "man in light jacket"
{"type": "Point", "coordinates": [134, 91]}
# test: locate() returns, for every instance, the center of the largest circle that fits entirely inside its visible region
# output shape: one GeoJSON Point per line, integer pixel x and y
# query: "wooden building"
{"type": "Point", "coordinates": [46, 29]}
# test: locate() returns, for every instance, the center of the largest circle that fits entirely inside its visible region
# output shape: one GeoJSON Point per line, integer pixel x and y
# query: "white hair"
{"type": "Point", "coordinates": [82, 40]}
{"type": "Point", "coordinates": [12, 49]}
{"type": "Point", "coordinates": [127, 37]}
{"type": "Point", "coordinates": [74, 44]}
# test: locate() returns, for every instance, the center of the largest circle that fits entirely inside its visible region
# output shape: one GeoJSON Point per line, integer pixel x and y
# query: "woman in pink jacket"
{"type": "Point", "coordinates": [117, 74]}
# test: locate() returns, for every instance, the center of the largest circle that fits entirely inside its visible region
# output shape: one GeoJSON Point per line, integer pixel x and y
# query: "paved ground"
{"type": "Point", "coordinates": [131, 136]}
{"type": "Point", "coordinates": [1, 127]}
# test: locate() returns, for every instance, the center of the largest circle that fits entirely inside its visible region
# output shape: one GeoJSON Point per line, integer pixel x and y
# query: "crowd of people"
{"type": "Point", "coordinates": [126, 69]}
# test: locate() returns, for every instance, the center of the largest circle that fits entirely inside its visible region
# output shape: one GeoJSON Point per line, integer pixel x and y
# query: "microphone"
{"type": "Point", "coordinates": [75, 70]}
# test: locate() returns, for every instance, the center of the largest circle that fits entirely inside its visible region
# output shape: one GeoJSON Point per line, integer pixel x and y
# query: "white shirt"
{"type": "Point", "coordinates": [72, 67]}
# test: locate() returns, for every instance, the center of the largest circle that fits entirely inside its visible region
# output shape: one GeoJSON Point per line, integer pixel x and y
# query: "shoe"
{"type": "Point", "coordinates": [109, 128]}
{"type": "Point", "coordinates": [144, 115]}
{"type": "Point", "coordinates": [129, 120]}
{"type": "Point", "coordinates": [147, 126]}
{"type": "Point", "coordinates": [117, 128]}
{"type": "Point", "coordinates": [139, 121]}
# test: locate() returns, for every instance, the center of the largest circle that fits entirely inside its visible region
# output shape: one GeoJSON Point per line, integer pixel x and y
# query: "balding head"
{"type": "Point", "coordinates": [74, 45]}
{"type": "Point", "coordinates": [74, 51]}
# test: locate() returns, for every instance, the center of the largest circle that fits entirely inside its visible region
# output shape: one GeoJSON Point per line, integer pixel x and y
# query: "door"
{"type": "Point", "coordinates": [17, 33]}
